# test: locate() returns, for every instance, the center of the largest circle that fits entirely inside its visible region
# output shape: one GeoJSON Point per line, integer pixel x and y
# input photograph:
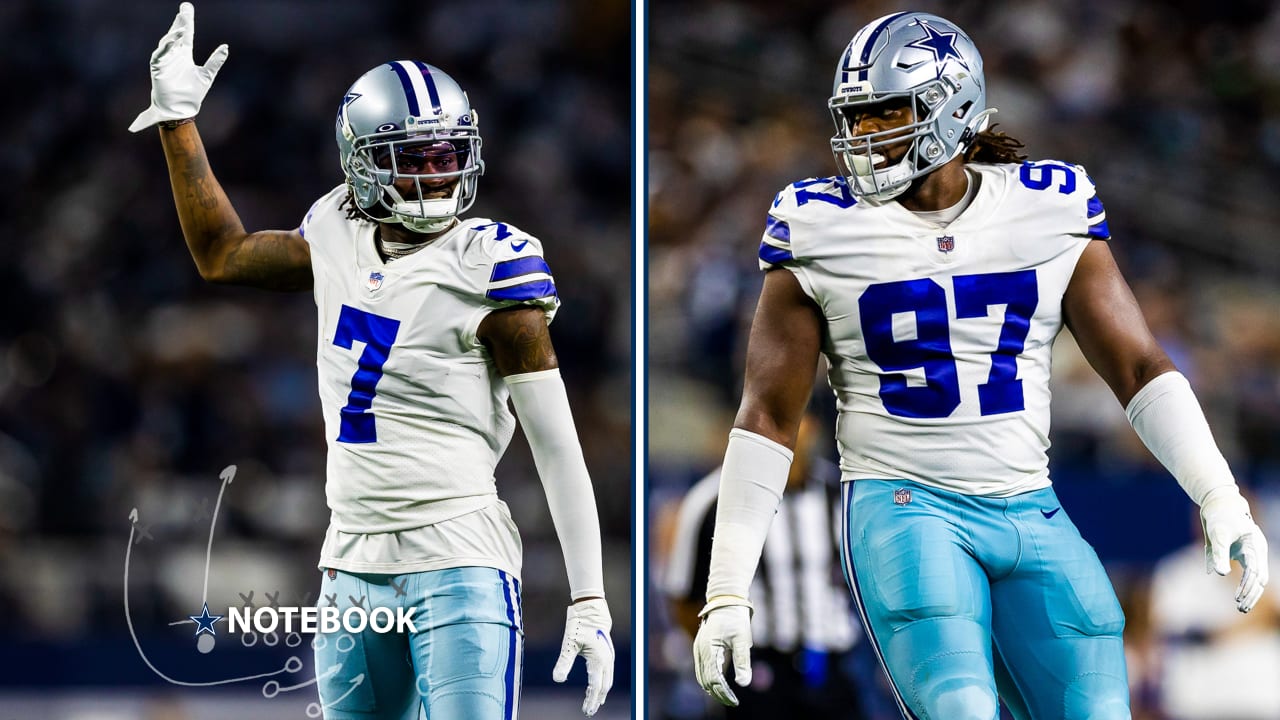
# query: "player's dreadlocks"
{"type": "Point", "coordinates": [994, 147]}
{"type": "Point", "coordinates": [353, 211]}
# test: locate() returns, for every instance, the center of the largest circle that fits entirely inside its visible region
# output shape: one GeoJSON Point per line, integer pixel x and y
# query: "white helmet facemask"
{"type": "Point", "coordinates": [431, 164]}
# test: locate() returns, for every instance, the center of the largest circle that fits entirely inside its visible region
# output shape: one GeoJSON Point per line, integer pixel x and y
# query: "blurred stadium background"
{"type": "Point", "coordinates": [125, 381]}
{"type": "Point", "coordinates": [1174, 108]}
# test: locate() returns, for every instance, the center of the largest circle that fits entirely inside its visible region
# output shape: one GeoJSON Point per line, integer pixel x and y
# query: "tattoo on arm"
{"type": "Point", "coordinates": [518, 340]}
{"type": "Point", "coordinates": [222, 250]}
{"type": "Point", "coordinates": [195, 175]}
{"type": "Point", "coordinates": [271, 259]}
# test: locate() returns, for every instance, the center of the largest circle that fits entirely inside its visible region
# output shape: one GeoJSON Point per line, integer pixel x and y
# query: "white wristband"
{"type": "Point", "coordinates": [751, 484]}
{"type": "Point", "coordinates": [543, 408]}
{"type": "Point", "coordinates": [1169, 421]}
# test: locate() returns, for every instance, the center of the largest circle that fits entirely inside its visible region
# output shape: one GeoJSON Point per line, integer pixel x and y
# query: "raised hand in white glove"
{"type": "Point", "coordinates": [1231, 534]}
{"type": "Point", "coordinates": [726, 625]}
{"type": "Point", "coordinates": [586, 633]}
{"type": "Point", "coordinates": [178, 85]}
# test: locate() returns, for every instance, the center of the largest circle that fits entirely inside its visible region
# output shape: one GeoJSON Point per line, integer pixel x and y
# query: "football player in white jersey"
{"type": "Point", "coordinates": [934, 274]}
{"type": "Point", "coordinates": [428, 323]}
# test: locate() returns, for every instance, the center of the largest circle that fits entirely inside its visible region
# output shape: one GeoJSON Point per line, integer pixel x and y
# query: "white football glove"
{"type": "Point", "coordinates": [1231, 534]}
{"type": "Point", "coordinates": [586, 633]}
{"type": "Point", "coordinates": [178, 85]}
{"type": "Point", "coordinates": [726, 625]}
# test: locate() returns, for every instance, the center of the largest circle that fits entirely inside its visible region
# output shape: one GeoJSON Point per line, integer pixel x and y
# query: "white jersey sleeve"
{"type": "Point", "coordinates": [415, 414]}
{"type": "Point", "coordinates": [938, 340]}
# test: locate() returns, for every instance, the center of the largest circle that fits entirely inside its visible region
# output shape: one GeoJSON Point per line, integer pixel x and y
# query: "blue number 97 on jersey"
{"type": "Point", "coordinates": [1040, 175]}
{"type": "Point", "coordinates": [928, 349]}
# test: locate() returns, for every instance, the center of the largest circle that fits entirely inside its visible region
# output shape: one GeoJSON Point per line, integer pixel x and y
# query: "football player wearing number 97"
{"type": "Point", "coordinates": [934, 273]}
{"type": "Point", "coordinates": [428, 323]}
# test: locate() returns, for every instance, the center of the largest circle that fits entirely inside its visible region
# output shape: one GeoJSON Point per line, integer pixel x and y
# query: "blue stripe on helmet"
{"type": "Point", "coordinates": [432, 92]}
{"type": "Point", "coordinates": [409, 94]}
{"type": "Point", "coordinates": [773, 255]}
{"type": "Point", "coordinates": [520, 266]}
{"type": "Point", "coordinates": [865, 60]}
{"type": "Point", "coordinates": [1100, 231]}
{"type": "Point", "coordinates": [1095, 206]}
{"type": "Point", "coordinates": [777, 229]}
{"type": "Point", "coordinates": [524, 291]}
{"type": "Point", "coordinates": [844, 64]}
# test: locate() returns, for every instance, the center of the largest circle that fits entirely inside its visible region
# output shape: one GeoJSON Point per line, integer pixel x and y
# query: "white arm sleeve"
{"type": "Point", "coordinates": [543, 408]}
{"type": "Point", "coordinates": [1171, 424]}
{"type": "Point", "coordinates": [751, 484]}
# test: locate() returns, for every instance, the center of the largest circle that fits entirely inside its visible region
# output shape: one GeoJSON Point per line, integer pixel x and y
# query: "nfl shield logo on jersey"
{"type": "Point", "coordinates": [375, 281]}
{"type": "Point", "coordinates": [902, 496]}
{"type": "Point", "coordinates": [946, 244]}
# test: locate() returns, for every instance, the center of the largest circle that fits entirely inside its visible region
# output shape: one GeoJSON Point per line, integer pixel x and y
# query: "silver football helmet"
{"type": "Point", "coordinates": [409, 144]}
{"type": "Point", "coordinates": [926, 62]}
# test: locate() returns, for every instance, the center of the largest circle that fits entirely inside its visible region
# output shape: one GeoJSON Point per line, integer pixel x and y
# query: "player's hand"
{"type": "Point", "coordinates": [178, 85]}
{"type": "Point", "coordinates": [1231, 534]}
{"type": "Point", "coordinates": [586, 633]}
{"type": "Point", "coordinates": [726, 625]}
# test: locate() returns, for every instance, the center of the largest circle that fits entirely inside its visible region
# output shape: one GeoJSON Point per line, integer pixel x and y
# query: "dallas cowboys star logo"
{"type": "Point", "coordinates": [941, 44]}
{"type": "Point", "coordinates": [204, 621]}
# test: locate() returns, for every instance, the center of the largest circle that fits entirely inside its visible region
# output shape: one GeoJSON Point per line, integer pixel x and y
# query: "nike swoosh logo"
{"type": "Point", "coordinates": [519, 247]}
{"type": "Point", "coordinates": [1050, 513]}
{"type": "Point", "coordinates": [601, 634]}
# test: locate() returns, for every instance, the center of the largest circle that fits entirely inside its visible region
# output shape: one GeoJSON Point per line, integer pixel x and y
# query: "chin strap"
{"type": "Point", "coordinates": [426, 225]}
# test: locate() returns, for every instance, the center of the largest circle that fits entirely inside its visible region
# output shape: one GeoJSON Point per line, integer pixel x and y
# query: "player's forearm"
{"type": "Point", "coordinates": [543, 408]}
{"type": "Point", "coordinates": [1169, 421]}
{"type": "Point", "coordinates": [578, 528]}
{"type": "Point", "coordinates": [209, 222]}
{"type": "Point", "coordinates": [751, 484]}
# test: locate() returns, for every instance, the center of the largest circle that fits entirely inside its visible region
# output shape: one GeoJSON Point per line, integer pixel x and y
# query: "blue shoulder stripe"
{"type": "Point", "coordinates": [1094, 207]}
{"type": "Point", "coordinates": [524, 291]}
{"type": "Point", "coordinates": [774, 255]}
{"type": "Point", "coordinates": [778, 229]}
{"type": "Point", "coordinates": [1100, 231]}
{"type": "Point", "coordinates": [508, 269]}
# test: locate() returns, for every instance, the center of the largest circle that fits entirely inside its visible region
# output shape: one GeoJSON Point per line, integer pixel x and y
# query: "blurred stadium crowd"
{"type": "Point", "coordinates": [1174, 108]}
{"type": "Point", "coordinates": [126, 381]}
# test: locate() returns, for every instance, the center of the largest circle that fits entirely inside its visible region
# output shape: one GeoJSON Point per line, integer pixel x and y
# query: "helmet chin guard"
{"type": "Point", "coordinates": [387, 118]}
{"type": "Point", "coordinates": [928, 63]}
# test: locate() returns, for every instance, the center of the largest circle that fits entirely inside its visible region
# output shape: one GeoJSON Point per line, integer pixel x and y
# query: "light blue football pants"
{"type": "Point", "coordinates": [965, 596]}
{"type": "Point", "coordinates": [463, 661]}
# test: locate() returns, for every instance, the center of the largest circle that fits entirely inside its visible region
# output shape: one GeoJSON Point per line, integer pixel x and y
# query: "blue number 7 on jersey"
{"type": "Point", "coordinates": [378, 335]}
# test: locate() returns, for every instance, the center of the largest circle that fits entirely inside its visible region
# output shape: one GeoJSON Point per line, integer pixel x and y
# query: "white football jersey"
{"type": "Point", "coordinates": [416, 416]}
{"type": "Point", "coordinates": [939, 340]}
